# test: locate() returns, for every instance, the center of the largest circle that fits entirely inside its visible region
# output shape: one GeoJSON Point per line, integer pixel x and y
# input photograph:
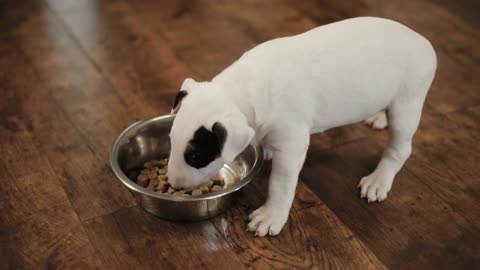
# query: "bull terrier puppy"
{"type": "Point", "coordinates": [285, 89]}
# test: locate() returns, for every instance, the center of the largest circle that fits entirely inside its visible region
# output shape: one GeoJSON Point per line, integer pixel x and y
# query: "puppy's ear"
{"type": "Point", "coordinates": [178, 100]}
{"type": "Point", "coordinates": [233, 136]}
{"type": "Point", "coordinates": [187, 84]}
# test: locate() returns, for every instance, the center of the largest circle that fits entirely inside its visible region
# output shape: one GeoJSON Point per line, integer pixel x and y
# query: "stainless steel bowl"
{"type": "Point", "coordinates": [148, 139]}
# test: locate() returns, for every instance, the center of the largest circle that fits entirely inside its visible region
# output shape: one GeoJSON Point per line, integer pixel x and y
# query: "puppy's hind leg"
{"type": "Point", "coordinates": [404, 117]}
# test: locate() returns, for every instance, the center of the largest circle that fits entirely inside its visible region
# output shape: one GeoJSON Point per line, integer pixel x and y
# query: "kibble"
{"type": "Point", "coordinates": [216, 188]}
{"type": "Point", "coordinates": [218, 181]}
{"type": "Point", "coordinates": [152, 184]}
{"type": "Point", "coordinates": [162, 186]}
{"type": "Point", "coordinates": [148, 164]}
{"type": "Point", "coordinates": [163, 162]}
{"type": "Point", "coordinates": [154, 177]}
{"type": "Point", "coordinates": [142, 180]}
{"type": "Point", "coordinates": [197, 192]}
{"type": "Point", "coordinates": [205, 189]}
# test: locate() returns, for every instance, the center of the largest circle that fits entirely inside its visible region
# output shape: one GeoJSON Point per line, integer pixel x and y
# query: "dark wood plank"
{"type": "Point", "coordinates": [184, 24]}
{"type": "Point", "coordinates": [51, 239]}
{"type": "Point", "coordinates": [162, 244]}
{"type": "Point", "coordinates": [28, 184]}
{"type": "Point", "coordinates": [65, 114]}
{"type": "Point", "coordinates": [313, 238]}
{"type": "Point", "coordinates": [90, 262]}
{"type": "Point", "coordinates": [411, 229]}
{"type": "Point", "coordinates": [448, 161]}
{"type": "Point", "coordinates": [465, 9]}
{"type": "Point", "coordinates": [111, 244]}
{"type": "Point", "coordinates": [139, 64]}
{"type": "Point", "coordinates": [326, 11]}
{"type": "Point", "coordinates": [38, 225]}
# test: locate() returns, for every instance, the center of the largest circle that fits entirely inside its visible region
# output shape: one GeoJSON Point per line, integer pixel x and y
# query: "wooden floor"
{"type": "Point", "coordinates": [74, 74]}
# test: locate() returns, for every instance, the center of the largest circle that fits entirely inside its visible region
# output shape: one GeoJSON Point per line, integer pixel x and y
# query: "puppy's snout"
{"type": "Point", "coordinates": [177, 182]}
{"type": "Point", "coordinates": [182, 177]}
{"type": "Point", "coordinates": [175, 179]}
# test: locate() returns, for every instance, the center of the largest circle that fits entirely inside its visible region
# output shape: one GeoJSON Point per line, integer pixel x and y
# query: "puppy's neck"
{"type": "Point", "coordinates": [230, 98]}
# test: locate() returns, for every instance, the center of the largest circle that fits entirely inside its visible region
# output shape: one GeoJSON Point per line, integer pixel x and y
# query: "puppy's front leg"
{"type": "Point", "coordinates": [287, 162]}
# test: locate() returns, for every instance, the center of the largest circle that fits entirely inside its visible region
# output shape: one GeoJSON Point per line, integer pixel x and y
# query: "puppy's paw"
{"type": "Point", "coordinates": [378, 120]}
{"type": "Point", "coordinates": [375, 186]}
{"type": "Point", "coordinates": [265, 220]}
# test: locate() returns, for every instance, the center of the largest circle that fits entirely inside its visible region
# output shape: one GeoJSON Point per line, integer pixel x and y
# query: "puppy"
{"type": "Point", "coordinates": [283, 90]}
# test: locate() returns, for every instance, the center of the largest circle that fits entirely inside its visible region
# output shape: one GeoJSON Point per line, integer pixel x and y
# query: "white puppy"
{"type": "Point", "coordinates": [283, 90]}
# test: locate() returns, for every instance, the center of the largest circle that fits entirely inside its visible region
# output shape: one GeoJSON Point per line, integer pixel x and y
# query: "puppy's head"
{"type": "Point", "coordinates": [207, 133]}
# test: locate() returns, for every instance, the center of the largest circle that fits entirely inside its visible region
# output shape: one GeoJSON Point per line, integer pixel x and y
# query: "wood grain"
{"type": "Point", "coordinates": [39, 228]}
{"type": "Point", "coordinates": [457, 153]}
{"type": "Point", "coordinates": [63, 115]}
{"type": "Point", "coordinates": [111, 244]}
{"type": "Point", "coordinates": [158, 243]}
{"type": "Point", "coordinates": [38, 224]}
{"type": "Point", "coordinates": [140, 65]}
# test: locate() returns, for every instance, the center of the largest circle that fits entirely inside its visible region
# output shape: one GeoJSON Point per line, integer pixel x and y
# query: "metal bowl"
{"type": "Point", "coordinates": [148, 139]}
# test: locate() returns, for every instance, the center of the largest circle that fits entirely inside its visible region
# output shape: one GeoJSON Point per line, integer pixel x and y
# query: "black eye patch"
{"type": "Point", "coordinates": [202, 149]}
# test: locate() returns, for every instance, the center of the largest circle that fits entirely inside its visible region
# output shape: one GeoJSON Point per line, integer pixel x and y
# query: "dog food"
{"type": "Point", "coordinates": [154, 177]}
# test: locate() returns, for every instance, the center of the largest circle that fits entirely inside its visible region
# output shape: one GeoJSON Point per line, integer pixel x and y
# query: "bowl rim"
{"type": "Point", "coordinates": [257, 165]}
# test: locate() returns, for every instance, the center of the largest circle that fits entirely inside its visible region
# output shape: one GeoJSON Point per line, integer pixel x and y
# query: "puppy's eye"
{"type": "Point", "coordinates": [202, 149]}
{"type": "Point", "coordinates": [195, 155]}
{"type": "Point", "coordinates": [191, 156]}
